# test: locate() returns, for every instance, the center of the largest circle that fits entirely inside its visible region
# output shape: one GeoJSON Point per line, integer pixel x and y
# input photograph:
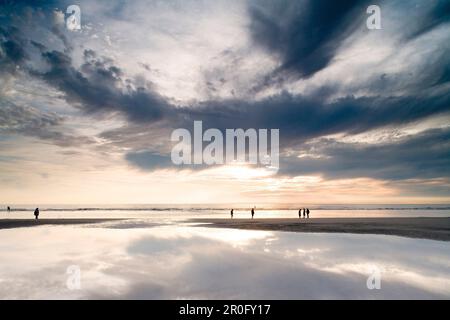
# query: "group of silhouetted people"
{"type": "Point", "coordinates": [305, 212]}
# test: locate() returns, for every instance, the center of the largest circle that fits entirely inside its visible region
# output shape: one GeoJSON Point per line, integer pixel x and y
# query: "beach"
{"type": "Point", "coordinates": [202, 254]}
{"type": "Point", "coordinates": [434, 228]}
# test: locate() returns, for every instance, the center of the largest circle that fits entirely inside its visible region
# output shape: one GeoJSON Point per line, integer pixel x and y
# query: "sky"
{"type": "Point", "coordinates": [363, 114]}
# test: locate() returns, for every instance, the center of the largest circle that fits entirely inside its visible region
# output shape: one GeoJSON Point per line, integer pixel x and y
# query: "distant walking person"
{"type": "Point", "coordinates": [232, 212]}
{"type": "Point", "coordinates": [253, 212]}
{"type": "Point", "coordinates": [299, 213]}
{"type": "Point", "coordinates": [304, 213]}
{"type": "Point", "coordinates": [8, 209]}
{"type": "Point", "coordinates": [307, 213]}
{"type": "Point", "coordinates": [36, 213]}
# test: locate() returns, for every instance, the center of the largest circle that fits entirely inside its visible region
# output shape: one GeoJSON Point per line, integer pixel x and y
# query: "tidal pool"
{"type": "Point", "coordinates": [139, 260]}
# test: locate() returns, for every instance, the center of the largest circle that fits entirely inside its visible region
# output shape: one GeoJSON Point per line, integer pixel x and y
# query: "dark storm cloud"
{"type": "Point", "coordinates": [301, 118]}
{"type": "Point", "coordinates": [425, 155]}
{"type": "Point", "coordinates": [98, 86]}
{"type": "Point", "coordinates": [298, 118]}
{"type": "Point", "coordinates": [12, 52]}
{"type": "Point", "coordinates": [304, 34]}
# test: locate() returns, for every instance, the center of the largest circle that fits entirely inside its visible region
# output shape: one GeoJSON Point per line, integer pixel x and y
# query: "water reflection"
{"type": "Point", "coordinates": [182, 261]}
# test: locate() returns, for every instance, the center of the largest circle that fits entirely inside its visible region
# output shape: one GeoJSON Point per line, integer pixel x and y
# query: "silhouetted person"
{"type": "Point", "coordinates": [36, 213]}
{"type": "Point", "coordinates": [307, 213]}
{"type": "Point", "coordinates": [299, 213]}
{"type": "Point", "coordinates": [8, 209]}
{"type": "Point", "coordinates": [253, 212]}
{"type": "Point", "coordinates": [304, 213]}
{"type": "Point", "coordinates": [232, 212]}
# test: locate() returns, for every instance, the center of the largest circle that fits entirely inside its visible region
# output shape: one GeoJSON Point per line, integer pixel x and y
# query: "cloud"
{"type": "Point", "coordinates": [148, 160]}
{"type": "Point", "coordinates": [437, 14]}
{"type": "Point", "coordinates": [300, 118]}
{"type": "Point", "coordinates": [99, 86]}
{"type": "Point", "coordinates": [12, 52]}
{"type": "Point", "coordinates": [304, 34]}
{"type": "Point", "coordinates": [29, 121]}
{"type": "Point", "coordinates": [305, 37]}
{"type": "Point", "coordinates": [419, 157]}
{"type": "Point", "coordinates": [425, 155]}
{"type": "Point", "coordinates": [328, 265]}
{"type": "Point", "coordinates": [308, 36]}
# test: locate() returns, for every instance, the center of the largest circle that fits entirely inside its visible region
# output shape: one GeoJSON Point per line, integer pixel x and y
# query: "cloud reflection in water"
{"type": "Point", "coordinates": [176, 261]}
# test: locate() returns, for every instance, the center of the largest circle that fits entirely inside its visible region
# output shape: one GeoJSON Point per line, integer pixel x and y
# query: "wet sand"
{"type": "Point", "coordinates": [21, 223]}
{"type": "Point", "coordinates": [425, 228]}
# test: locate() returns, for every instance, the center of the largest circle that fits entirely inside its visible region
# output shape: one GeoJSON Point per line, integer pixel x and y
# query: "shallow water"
{"type": "Point", "coordinates": [144, 260]}
{"type": "Point", "coordinates": [165, 213]}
